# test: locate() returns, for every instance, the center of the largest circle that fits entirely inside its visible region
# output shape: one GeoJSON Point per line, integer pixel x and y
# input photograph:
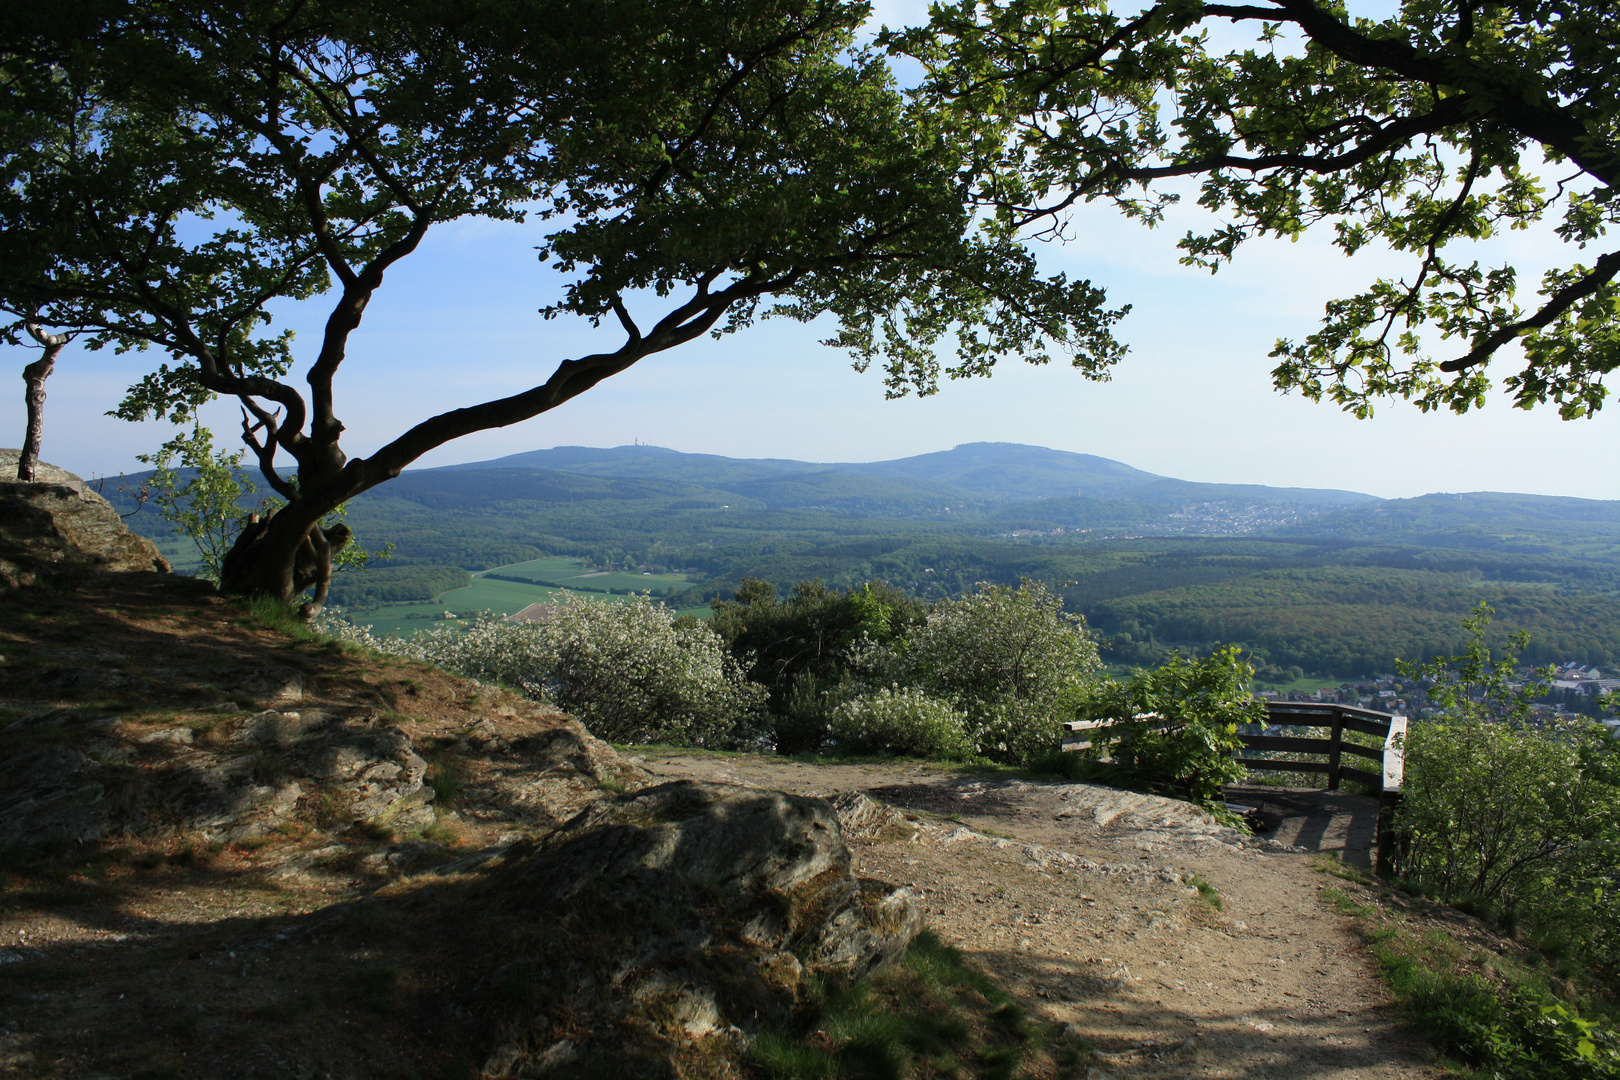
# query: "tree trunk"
{"type": "Point", "coordinates": [282, 556]}
{"type": "Point", "coordinates": [34, 376]}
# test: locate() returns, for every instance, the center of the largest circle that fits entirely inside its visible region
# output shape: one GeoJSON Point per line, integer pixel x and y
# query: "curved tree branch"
{"type": "Point", "coordinates": [1604, 271]}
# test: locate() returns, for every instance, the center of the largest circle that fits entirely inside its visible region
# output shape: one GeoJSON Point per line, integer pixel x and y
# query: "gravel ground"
{"type": "Point", "coordinates": [1081, 900]}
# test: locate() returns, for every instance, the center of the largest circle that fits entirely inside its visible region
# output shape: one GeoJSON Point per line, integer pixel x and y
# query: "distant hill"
{"type": "Point", "coordinates": [976, 475]}
{"type": "Point", "coordinates": [1013, 471]}
{"type": "Point", "coordinates": [1530, 524]}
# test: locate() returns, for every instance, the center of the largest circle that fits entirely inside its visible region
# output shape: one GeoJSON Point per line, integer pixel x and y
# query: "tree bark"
{"type": "Point", "coordinates": [34, 376]}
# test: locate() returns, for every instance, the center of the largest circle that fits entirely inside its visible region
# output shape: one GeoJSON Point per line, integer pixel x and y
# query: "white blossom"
{"type": "Point", "coordinates": [627, 669]}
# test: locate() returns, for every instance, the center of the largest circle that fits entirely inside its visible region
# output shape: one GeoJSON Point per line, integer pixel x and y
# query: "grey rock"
{"type": "Point", "coordinates": [174, 736]}
{"type": "Point", "coordinates": [283, 730]}
{"type": "Point", "coordinates": [269, 686]}
{"type": "Point", "coordinates": [60, 526]}
{"type": "Point", "coordinates": [864, 818]}
{"type": "Point", "coordinates": [702, 906]}
{"type": "Point", "coordinates": [53, 793]}
{"type": "Point", "coordinates": [88, 680]}
{"type": "Point", "coordinates": [377, 770]}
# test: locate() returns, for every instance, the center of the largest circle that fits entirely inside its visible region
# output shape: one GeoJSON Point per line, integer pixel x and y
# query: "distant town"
{"type": "Point", "coordinates": [1575, 690]}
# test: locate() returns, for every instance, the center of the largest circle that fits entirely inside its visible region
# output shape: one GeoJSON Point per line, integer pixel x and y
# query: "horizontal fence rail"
{"type": "Point", "coordinates": [1338, 719]}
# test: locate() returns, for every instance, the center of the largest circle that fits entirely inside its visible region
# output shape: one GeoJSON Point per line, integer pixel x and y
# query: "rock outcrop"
{"type": "Point", "coordinates": [687, 911]}
{"type": "Point", "coordinates": [58, 526]}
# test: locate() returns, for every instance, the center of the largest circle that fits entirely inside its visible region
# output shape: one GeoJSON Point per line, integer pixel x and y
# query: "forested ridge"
{"type": "Point", "coordinates": [1333, 582]}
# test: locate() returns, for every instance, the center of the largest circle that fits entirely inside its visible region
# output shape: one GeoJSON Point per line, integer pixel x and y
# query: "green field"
{"type": "Point", "coordinates": [505, 597]}
{"type": "Point", "coordinates": [573, 574]}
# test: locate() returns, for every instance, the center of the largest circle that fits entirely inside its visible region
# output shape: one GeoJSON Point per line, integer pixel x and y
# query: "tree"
{"type": "Point", "coordinates": [200, 490]}
{"type": "Point", "coordinates": [1419, 132]}
{"type": "Point", "coordinates": [34, 375]}
{"type": "Point", "coordinates": [711, 162]}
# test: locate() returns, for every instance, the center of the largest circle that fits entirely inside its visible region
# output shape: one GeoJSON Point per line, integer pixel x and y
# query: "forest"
{"type": "Point", "coordinates": [1336, 583]}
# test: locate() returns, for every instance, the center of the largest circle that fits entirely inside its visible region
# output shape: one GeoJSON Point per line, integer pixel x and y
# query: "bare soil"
{"type": "Point", "coordinates": [1119, 947]}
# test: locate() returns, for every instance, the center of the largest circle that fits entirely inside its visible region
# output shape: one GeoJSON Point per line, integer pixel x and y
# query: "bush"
{"type": "Point", "coordinates": [798, 648]}
{"type": "Point", "coordinates": [901, 721]}
{"type": "Point", "coordinates": [1517, 817]}
{"type": "Point", "coordinates": [1489, 809]}
{"type": "Point", "coordinates": [1011, 659]}
{"type": "Point", "coordinates": [1177, 725]}
{"type": "Point", "coordinates": [633, 675]}
{"type": "Point", "coordinates": [628, 669]}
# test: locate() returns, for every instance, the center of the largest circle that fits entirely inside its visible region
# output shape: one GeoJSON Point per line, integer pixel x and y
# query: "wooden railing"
{"type": "Point", "coordinates": [1388, 759]}
{"type": "Point", "coordinates": [1338, 719]}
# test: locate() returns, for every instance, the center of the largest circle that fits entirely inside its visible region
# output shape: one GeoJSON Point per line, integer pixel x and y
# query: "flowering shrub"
{"type": "Point", "coordinates": [1012, 660]}
{"type": "Point", "coordinates": [633, 675]}
{"type": "Point", "coordinates": [901, 721]}
{"type": "Point", "coordinates": [626, 669]}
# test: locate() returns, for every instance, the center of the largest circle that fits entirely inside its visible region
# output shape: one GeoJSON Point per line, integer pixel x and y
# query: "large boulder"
{"type": "Point", "coordinates": [678, 914]}
{"type": "Point", "coordinates": [60, 526]}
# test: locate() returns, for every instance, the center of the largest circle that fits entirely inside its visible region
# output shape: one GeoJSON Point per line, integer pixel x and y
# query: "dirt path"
{"type": "Point", "coordinates": [1079, 898]}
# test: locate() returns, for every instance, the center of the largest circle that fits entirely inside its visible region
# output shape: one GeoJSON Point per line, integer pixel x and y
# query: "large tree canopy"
{"type": "Point", "coordinates": [721, 160]}
{"type": "Point", "coordinates": [1448, 123]}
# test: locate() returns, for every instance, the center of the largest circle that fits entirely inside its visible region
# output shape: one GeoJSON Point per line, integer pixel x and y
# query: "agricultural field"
{"type": "Point", "coordinates": [491, 591]}
{"type": "Point", "coordinates": [574, 574]}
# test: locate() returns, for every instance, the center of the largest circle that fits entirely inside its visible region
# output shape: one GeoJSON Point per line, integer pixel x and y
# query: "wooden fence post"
{"type": "Point", "coordinates": [1337, 739]}
{"type": "Point", "coordinates": [1394, 781]}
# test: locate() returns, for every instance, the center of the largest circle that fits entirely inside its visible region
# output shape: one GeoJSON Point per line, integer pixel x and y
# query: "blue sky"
{"type": "Point", "coordinates": [456, 324]}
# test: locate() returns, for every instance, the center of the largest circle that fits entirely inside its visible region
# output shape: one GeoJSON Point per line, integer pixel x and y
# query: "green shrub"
{"type": "Point", "coordinates": [1010, 659]}
{"type": "Point", "coordinates": [901, 721]}
{"type": "Point", "coordinates": [1490, 810]}
{"type": "Point", "coordinates": [1177, 725]}
{"type": "Point", "coordinates": [1514, 1032]}
{"type": "Point", "coordinates": [1513, 818]}
{"type": "Point", "coordinates": [628, 669]}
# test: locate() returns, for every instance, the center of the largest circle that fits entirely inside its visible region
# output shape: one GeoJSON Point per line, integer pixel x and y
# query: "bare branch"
{"type": "Point", "coordinates": [256, 419]}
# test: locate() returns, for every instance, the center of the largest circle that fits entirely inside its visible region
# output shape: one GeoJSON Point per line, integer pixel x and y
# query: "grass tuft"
{"type": "Point", "coordinates": [1491, 1015]}
{"type": "Point", "coordinates": [931, 1013]}
{"type": "Point", "coordinates": [272, 614]}
{"type": "Point", "coordinates": [1207, 893]}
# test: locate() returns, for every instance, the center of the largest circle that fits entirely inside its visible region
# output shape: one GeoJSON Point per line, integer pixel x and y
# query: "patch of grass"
{"type": "Point", "coordinates": [444, 775]}
{"type": "Point", "coordinates": [268, 768]}
{"type": "Point", "coordinates": [327, 810]}
{"type": "Point", "coordinates": [1207, 893]}
{"type": "Point", "coordinates": [441, 831]}
{"type": "Point", "coordinates": [1486, 1014]}
{"type": "Point", "coordinates": [1511, 1028]}
{"type": "Point", "coordinates": [930, 1013]}
{"type": "Point", "coordinates": [1346, 905]}
{"type": "Point", "coordinates": [271, 614]}
{"type": "Point", "coordinates": [1337, 867]}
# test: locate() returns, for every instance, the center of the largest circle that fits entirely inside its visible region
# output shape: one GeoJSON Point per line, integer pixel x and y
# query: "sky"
{"type": "Point", "coordinates": [456, 324]}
